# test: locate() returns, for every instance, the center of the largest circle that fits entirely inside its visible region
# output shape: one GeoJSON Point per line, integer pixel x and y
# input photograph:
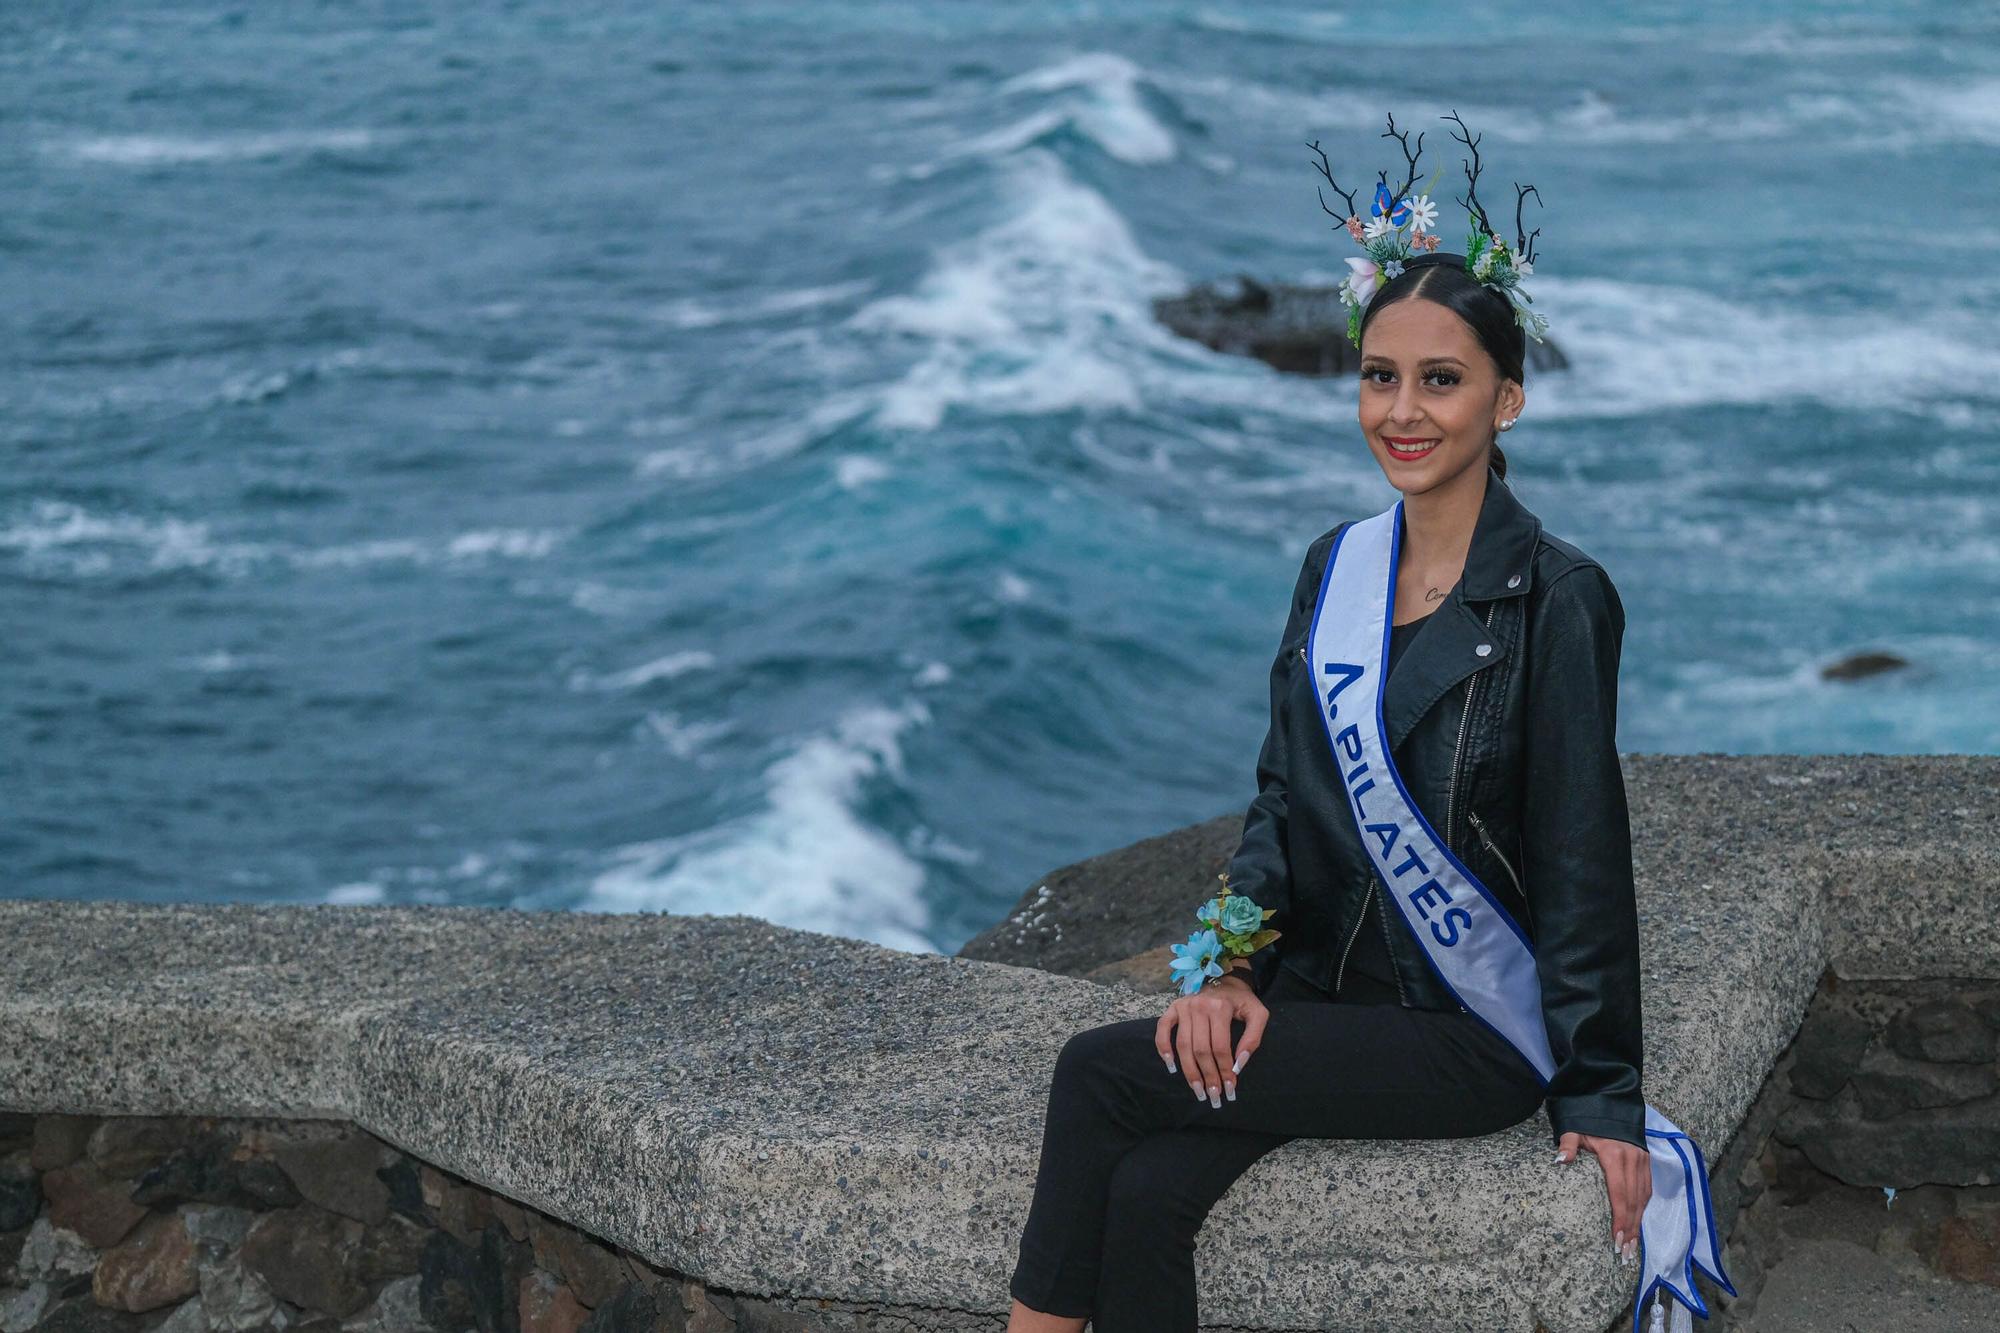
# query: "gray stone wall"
{"type": "Point", "coordinates": [1863, 1188]}
{"type": "Point", "coordinates": [129, 1224]}
{"type": "Point", "coordinates": [1864, 1178]}
{"type": "Point", "coordinates": [819, 1127]}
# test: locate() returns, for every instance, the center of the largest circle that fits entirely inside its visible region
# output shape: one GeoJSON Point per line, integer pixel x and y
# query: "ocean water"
{"type": "Point", "coordinates": [702, 457]}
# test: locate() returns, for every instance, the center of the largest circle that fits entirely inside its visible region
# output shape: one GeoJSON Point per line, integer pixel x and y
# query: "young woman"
{"type": "Point", "coordinates": [1500, 708]}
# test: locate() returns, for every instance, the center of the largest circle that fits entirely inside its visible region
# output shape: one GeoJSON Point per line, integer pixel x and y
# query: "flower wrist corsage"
{"type": "Point", "coordinates": [1234, 930]}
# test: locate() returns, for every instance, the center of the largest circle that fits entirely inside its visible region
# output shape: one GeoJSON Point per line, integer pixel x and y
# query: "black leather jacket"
{"type": "Point", "coordinates": [1512, 758]}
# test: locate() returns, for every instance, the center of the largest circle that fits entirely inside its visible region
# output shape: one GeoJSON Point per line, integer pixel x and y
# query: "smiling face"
{"type": "Point", "coordinates": [1427, 384]}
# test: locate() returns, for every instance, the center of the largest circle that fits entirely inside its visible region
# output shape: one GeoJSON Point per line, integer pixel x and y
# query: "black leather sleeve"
{"type": "Point", "coordinates": [1261, 867]}
{"type": "Point", "coordinates": [1576, 843]}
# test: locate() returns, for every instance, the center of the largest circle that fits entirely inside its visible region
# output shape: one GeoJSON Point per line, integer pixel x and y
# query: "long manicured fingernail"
{"type": "Point", "coordinates": [1230, 1088]}
{"type": "Point", "coordinates": [1170, 1063]}
{"type": "Point", "coordinates": [1215, 1098]}
{"type": "Point", "coordinates": [1241, 1056]}
{"type": "Point", "coordinates": [1199, 1095]}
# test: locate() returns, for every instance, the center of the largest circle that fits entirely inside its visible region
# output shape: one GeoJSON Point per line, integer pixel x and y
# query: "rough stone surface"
{"type": "Point", "coordinates": [306, 1256]}
{"type": "Point", "coordinates": [154, 1266]}
{"type": "Point", "coordinates": [547, 1306]}
{"type": "Point", "coordinates": [82, 1199]}
{"type": "Point", "coordinates": [700, 1090]}
{"type": "Point", "coordinates": [338, 1174]}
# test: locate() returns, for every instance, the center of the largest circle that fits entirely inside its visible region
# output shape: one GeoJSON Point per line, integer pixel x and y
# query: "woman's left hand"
{"type": "Point", "coordinates": [1628, 1177]}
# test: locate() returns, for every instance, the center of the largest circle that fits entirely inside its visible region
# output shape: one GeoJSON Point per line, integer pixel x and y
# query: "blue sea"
{"type": "Point", "coordinates": [701, 457]}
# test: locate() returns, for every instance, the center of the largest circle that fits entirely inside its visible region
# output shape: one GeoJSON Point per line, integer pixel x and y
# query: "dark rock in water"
{"type": "Point", "coordinates": [1861, 664]}
{"type": "Point", "coordinates": [1299, 330]}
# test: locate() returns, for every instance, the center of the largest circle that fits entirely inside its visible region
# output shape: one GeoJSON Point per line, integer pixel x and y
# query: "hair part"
{"type": "Point", "coordinates": [1486, 312]}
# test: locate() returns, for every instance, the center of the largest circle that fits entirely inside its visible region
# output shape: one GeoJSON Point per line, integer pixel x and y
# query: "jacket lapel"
{"type": "Point", "coordinates": [1446, 649]}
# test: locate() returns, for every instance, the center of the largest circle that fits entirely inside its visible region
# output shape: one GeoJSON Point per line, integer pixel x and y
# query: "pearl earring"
{"type": "Point", "coordinates": [1508, 424]}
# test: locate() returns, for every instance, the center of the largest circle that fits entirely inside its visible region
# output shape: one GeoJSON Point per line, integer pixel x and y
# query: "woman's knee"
{"type": "Point", "coordinates": [1090, 1051]}
{"type": "Point", "coordinates": [1153, 1190]}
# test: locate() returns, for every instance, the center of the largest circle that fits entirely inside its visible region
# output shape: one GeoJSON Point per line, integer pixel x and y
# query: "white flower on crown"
{"type": "Point", "coordinates": [1377, 227]}
{"type": "Point", "coordinates": [1523, 266]}
{"type": "Point", "coordinates": [1393, 269]}
{"type": "Point", "coordinates": [1483, 265]}
{"type": "Point", "coordinates": [1423, 213]}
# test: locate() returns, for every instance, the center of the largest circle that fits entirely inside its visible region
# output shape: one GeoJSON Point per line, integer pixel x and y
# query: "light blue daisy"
{"type": "Point", "coordinates": [1194, 962]}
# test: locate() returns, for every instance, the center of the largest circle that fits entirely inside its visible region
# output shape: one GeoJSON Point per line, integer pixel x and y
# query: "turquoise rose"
{"type": "Point", "coordinates": [1240, 916]}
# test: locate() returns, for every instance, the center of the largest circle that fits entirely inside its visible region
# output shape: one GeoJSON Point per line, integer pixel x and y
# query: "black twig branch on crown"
{"type": "Point", "coordinates": [1402, 137]}
{"type": "Point", "coordinates": [1526, 247]}
{"type": "Point", "coordinates": [1524, 244]}
{"type": "Point", "coordinates": [1327, 172]}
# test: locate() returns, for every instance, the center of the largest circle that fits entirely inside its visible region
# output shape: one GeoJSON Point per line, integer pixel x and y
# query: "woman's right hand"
{"type": "Point", "coordinates": [1197, 1026]}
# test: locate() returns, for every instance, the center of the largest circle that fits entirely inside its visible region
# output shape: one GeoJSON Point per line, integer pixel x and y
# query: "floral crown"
{"type": "Point", "coordinates": [1399, 235]}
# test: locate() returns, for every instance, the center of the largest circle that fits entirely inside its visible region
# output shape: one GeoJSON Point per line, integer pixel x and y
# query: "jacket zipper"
{"type": "Point", "coordinates": [1464, 725]}
{"type": "Point", "coordinates": [1458, 749]}
{"type": "Point", "coordinates": [1353, 936]}
{"type": "Point", "coordinates": [1480, 826]}
{"type": "Point", "coordinates": [1387, 949]}
{"type": "Point", "coordinates": [1341, 971]}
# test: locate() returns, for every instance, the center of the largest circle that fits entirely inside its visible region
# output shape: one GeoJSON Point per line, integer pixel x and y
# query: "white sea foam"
{"type": "Point", "coordinates": [1096, 94]}
{"type": "Point", "coordinates": [1042, 312]}
{"type": "Point", "coordinates": [684, 739]}
{"type": "Point", "coordinates": [1888, 112]}
{"type": "Point", "coordinates": [61, 536]}
{"type": "Point", "coordinates": [361, 891]}
{"type": "Point", "coordinates": [721, 455]}
{"type": "Point", "coordinates": [150, 150]}
{"type": "Point", "coordinates": [1637, 347]}
{"type": "Point", "coordinates": [854, 471]}
{"type": "Point", "coordinates": [659, 668]}
{"type": "Point", "coordinates": [807, 859]}
{"type": "Point", "coordinates": [696, 313]}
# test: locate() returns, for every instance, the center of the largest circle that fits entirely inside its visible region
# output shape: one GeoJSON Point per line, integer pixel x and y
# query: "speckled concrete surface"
{"type": "Point", "coordinates": [778, 1111]}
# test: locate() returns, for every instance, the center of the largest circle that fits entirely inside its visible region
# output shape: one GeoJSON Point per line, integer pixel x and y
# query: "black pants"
{"type": "Point", "coordinates": [1131, 1163]}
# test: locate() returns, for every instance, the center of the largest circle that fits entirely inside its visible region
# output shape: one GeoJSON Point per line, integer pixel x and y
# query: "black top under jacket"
{"type": "Point", "coordinates": [1370, 954]}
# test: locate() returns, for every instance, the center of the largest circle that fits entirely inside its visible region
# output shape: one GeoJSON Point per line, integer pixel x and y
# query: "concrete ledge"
{"type": "Point", "coordinates": [782, 1112]}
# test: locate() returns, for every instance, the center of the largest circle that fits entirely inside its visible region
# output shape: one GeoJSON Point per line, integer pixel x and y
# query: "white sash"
{"type": "Point", "coordinates": [1472, 942]}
